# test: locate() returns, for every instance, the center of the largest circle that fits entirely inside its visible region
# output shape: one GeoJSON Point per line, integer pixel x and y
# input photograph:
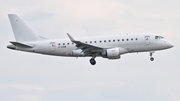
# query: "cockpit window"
{"type": "Point", "coordinates": [159, 37]}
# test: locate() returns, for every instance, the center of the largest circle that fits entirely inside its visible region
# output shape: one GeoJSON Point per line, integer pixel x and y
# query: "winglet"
{"type": "Point", "coordinates": [70, 37]}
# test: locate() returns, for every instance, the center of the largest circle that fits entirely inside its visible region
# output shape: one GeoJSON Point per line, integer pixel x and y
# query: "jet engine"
{"type": "Point", "coordinates": [113, 53]}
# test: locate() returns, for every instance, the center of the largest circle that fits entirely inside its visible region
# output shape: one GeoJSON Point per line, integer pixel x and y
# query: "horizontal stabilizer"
{"type": "Point", "coordinates": [22, 45]}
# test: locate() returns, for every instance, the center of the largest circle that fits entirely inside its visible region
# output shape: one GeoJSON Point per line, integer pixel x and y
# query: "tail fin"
{"type": "Point", "coordinates": [21, 31]}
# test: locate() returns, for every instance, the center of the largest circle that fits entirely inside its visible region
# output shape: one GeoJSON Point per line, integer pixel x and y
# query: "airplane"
{"type": "Point", "coordinates": [110, 47]}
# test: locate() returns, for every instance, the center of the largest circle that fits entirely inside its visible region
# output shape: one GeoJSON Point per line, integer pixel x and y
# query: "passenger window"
{"type": "Point", "coordinates": [100, 41]}
{"type": "Point", "coordinates": [90, 41]}
{"type": "Point", "coordinates": [113, 40]}
{"type": "Point", "coordinates": [67, 43]}
{"type": "Point", "coordinates": [109, 40]}
{"type": "Point", "coordinates": [104, 40]}
{"type": "Point", "coordinates": [94, 41]}
{"type": "Point", "coordinates": [131, 39]}
{"type": "Point", "coordinates": [127, 39]}
{"type": "Point", "coordinates": [136, 38]}
{"type": "Point", "coordinates": [122, 39]}
{"type": "Point", "coordinates": [63, 43]}
{"type": "Point", "coordinates": [59, 45]}
{"type": "Point", "coordinates": [118, 40]}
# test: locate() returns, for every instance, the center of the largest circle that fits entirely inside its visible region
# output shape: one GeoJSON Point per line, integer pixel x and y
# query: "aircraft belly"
{"type": "Point", "coordinates": [63, 52]}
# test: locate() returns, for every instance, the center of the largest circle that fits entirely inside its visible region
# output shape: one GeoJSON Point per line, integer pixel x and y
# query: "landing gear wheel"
{"type": "Point", "coordinates": [152, 59]}
{"type": "Point", "coordinates": [92, 61]}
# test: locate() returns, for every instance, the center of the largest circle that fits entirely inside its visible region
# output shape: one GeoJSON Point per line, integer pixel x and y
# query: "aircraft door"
{"type": "Point", "coordinates": [147, 40]}
{"type": "Point", "coordinates": [52, 46]}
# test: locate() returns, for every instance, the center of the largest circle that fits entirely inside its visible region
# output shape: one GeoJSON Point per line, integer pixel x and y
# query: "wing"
{"type": "Point", "coordinates": [86, 48]}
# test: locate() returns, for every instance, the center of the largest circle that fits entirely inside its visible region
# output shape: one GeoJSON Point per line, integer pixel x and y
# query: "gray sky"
{"type": "Point", "coordinates": [35, 77]}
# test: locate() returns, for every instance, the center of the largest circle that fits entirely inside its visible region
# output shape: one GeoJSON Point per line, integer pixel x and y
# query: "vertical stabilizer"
{"type": "Point", "coordinates": [21, 31]}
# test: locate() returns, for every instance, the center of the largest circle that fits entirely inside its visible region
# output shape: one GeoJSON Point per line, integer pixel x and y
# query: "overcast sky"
{"type": "Point", "coordinates": [34, 77]}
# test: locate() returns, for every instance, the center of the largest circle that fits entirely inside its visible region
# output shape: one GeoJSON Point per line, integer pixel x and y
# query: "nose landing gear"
{"type": "Point", "coordinates": [152, 59]}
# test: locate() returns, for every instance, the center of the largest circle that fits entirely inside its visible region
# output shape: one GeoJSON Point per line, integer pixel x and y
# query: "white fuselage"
{"type": "Point", "coordinates": [127, 43]}
{"type": "Point", "coordinates": [110, 47]}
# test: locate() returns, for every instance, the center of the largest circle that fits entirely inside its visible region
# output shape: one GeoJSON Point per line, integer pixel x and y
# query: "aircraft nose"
{"type": "Point", "coordinates": [170, 44]}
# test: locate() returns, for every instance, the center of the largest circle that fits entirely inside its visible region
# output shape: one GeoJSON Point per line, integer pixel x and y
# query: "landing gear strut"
{"type": "Point", "coordinates": [152, 59]}
{"type": "Point", "coordinates": [92, 61]}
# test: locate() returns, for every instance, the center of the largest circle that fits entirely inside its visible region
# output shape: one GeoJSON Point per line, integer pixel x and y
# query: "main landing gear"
{"type": "Point", "coordinates": [152, 59]}
{"type": "Point", "coordinates": [92, 61]}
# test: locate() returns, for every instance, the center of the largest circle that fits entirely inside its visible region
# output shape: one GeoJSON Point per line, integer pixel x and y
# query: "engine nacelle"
{"type": "Point", "coordinates": [77, 53]}
{"type": "Point", "coordinates": [113, 53]}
